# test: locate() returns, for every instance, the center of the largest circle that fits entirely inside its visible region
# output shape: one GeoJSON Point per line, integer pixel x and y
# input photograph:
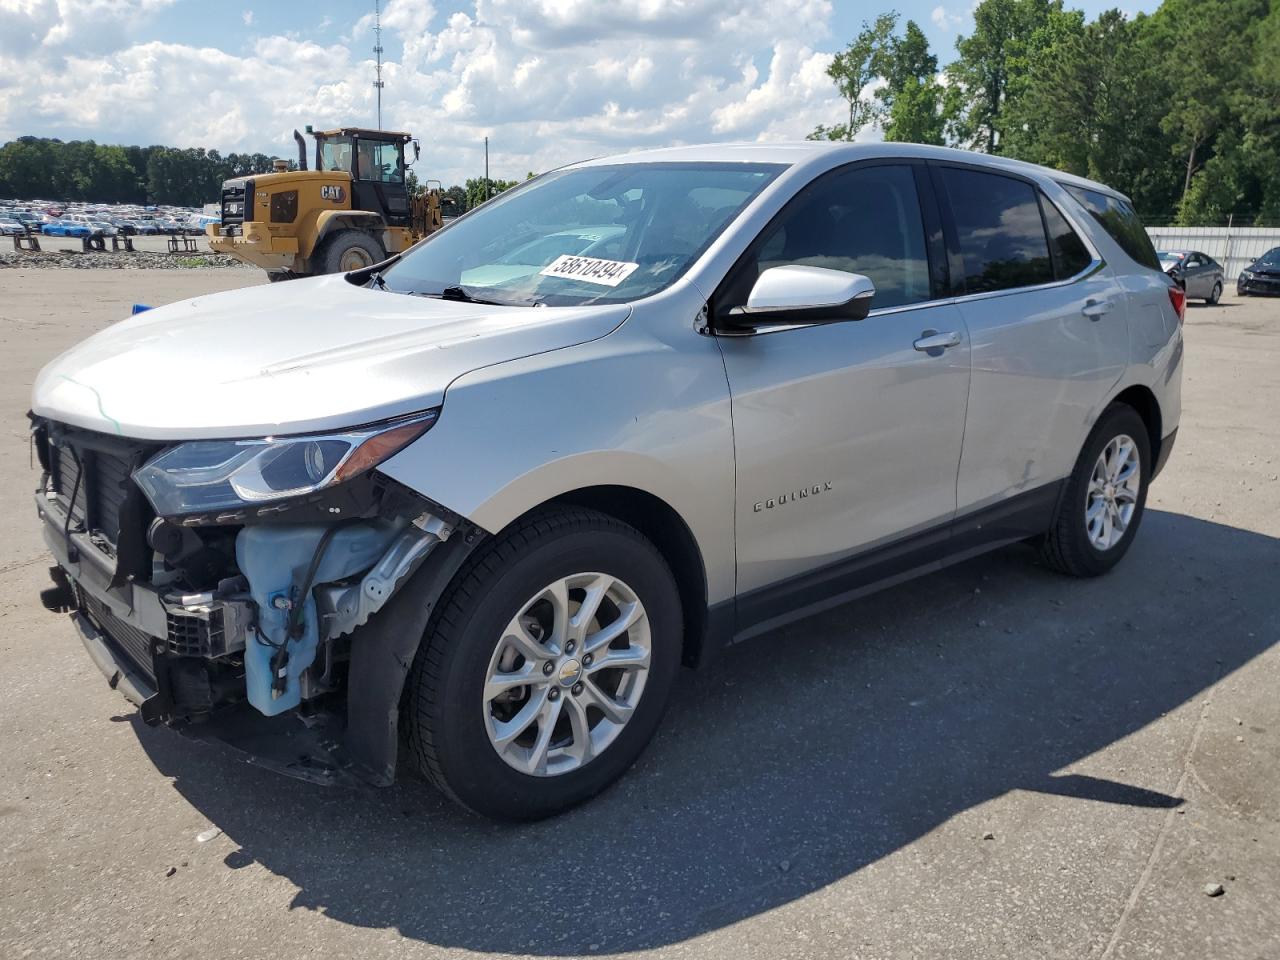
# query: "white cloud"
{"type": "Point", "coordinates": [36, 27]}
{"type": "Point", "coordinates": [550, 81]}
{"type": "Point", "coordinates": [946, 21]}
{"type": "Point", "coordinates": [247, 18]}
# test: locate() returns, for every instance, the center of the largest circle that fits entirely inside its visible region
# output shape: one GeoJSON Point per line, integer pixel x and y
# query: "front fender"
{"type": "Point", "coordinates": [625, 410]}
{"type": "Point", "coordinates": [331, 221]}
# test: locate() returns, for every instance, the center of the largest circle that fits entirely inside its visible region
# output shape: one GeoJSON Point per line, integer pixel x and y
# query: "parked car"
{"type": "Point", "coordinates": [10, 227]}
{"type": "Point", "coordinates": [504, 513]}
{"type": "Point", "coordinates": [1197, 273]}
{"type": "Point", "coordinates": [1261, 276]}
{"type": "Point", "coordinates": [143, 227]}
{"type": "Point", "coordinates": [67, 228]}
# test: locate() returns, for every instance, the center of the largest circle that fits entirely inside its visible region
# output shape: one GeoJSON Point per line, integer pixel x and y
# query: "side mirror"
{"type": "Point", "coordinates": [796, 294]}
{"type": "Point", "coordinates": [417, 151]}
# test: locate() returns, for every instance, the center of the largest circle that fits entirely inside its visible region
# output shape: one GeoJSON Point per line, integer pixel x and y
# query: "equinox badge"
{"type": "Point", "coordinates": [792, 496]}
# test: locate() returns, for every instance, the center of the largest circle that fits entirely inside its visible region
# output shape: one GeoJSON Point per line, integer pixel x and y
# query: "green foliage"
{"type": "Point", "coordinates": [33, 168]}
{"type": "Point", "coordinates": [918, 113]}
{"type": "Point", "coordinates": [852, 69]}
{"type": "Point", "coordinates": [478, 190]}
{"type": "Point", "coordinates": [914, 103]}
{"type": "Point", "coordinates": [993, 63]}
{"type": "Point", "coordinates": [1180, 109]}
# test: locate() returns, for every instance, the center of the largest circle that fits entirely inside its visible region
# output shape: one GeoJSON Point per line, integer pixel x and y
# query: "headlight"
{"type": "Point", "coordinates": [1246, 275]}
{"type": "Point", "coordinates": [226, 474]}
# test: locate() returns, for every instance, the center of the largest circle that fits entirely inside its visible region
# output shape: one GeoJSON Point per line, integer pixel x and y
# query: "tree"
{"type": "Point", "coordinates": [1085, 106]}
{"type": "Point", "coordinates": [1207, 77]}
{"type": "Point", "coordinates": [478, 191]}
{"type": "Point", "coordinates": [899, 60]}
{"type": "Point", "coordinates": [994, 60]}
{"type": "Point", "coordinates": [852, 70]}
{"type": "Point", "coordinates": [913, 100]}
{"type": "Point", "coordinates": [918, 113]}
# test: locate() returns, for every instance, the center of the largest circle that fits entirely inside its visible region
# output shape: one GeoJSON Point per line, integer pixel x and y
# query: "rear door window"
{"type": "Point", "coordinates": [1000, 233]}
{"type": "Point", "coordinates": [1121, 223]}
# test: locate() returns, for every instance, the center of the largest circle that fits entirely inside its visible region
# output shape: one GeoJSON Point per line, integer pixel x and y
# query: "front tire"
{"type": "Point", "coordinates": [547, 666]}
{"type": "Point", "coordinates": [349, 250]}
{"type": "Point", "coordinates": [1102, 504]}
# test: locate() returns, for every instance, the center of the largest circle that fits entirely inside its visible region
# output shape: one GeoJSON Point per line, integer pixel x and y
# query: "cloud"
{"type": "Point", "coordinates": [946, 21]}
{"type": "Point", "coordinates": [247, 18]}
{"type": "Point", "coordinates": [549, 81]}
{"type": "Point", "coordinates": [36, 28]}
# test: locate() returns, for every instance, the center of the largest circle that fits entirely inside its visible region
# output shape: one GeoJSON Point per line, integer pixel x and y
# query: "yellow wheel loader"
{"type": "Point", "coordinates": [354, 209]}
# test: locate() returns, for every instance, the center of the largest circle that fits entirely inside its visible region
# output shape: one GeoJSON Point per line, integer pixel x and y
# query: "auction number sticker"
{"type": "Point", "coordinates": [608, 273]}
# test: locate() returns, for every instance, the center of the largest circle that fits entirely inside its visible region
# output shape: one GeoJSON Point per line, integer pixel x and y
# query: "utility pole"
{"type": "Point", "coordinates": [377, 50]}
{"type": "Point", "coordinates": [486, 168]}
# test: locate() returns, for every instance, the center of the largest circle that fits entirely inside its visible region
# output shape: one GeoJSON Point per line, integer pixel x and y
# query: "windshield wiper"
{"type": "Point", "coordinates": [460, 293]}
{"type": "Point", "coordinates": [463, 296]}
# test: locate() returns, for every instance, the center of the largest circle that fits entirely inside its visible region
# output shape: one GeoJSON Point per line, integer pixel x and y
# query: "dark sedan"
{"type": "Point", "coordinates": [1261, 276]}
{"type": "Point", "coordinates": [1201, 276]}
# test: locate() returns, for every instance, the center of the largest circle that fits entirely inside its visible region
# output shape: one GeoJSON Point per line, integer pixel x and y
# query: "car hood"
{"type": "Point", "coordinates": [293, 357]}
{"type": "Point", "coordinates": [1266, 269]}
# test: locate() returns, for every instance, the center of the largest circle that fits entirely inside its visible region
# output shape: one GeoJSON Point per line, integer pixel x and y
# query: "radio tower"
{"type": "Point", "coordinates": [377, 50]}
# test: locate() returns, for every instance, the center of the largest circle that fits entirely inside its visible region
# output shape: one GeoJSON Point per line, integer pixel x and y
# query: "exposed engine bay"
{"type": "Point", "coordinates": [205, 613]}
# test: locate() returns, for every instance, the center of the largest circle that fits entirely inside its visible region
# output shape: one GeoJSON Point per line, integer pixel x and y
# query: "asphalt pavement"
{"type": "Point", "coordinates": [995, 761]}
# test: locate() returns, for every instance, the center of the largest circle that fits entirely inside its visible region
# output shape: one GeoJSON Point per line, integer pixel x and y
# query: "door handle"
{"type": "Point", "coordinates": [933, 343]}
{"type": "Point", "coordinates": [1096, 309]}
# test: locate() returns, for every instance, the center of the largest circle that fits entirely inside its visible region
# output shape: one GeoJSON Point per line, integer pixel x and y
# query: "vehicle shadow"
{"type": "Point", "coordinates": [798, 760]}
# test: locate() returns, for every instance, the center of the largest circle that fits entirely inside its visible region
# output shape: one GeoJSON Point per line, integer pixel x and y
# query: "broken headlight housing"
{"type": "Point", "coordinates": [205, 475]}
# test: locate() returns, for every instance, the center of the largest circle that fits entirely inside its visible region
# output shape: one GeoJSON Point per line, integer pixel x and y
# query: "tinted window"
{"type": "Point", "coordinates": [1069, 253]}
{"type": "Point", "coordinates": [998, 226]}
{"type": "Point", "coordinates": [865, 220]}
{"type": "Point", "coordinates": [1119, 220]}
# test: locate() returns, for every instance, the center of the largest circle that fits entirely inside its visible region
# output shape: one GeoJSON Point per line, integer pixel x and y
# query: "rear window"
{"type": "Point", "coordinates": [1070, 255]}
{"type": "Point", "coordinates": [999, 230]}
{"type": "Point", "coordinates": [1120, 222]}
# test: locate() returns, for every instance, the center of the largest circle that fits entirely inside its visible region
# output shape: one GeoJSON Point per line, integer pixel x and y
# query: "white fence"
{"type": "Point", "coordinates": [1234, 247]}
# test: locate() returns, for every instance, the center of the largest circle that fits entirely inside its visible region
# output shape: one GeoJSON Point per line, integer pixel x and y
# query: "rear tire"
{"type": "Point", "coordinates": [497, 621]}
{"type": "Point", "coordinates": [349, 250]}
{"type": "Point", "coordinates": [1214, 297]}
{"type": "Point", "coordinates": [1072, 544]}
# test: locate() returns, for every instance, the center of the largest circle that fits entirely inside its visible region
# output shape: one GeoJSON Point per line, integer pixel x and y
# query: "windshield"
{"type": "Point", "coordinates": [606, 234]}
{"type": "Point", "coordinates": [1271, 258]}
{"type": "Point", "coordinates": [1170, 255]}
{"type": "Point", "coordinates": [335, 154]}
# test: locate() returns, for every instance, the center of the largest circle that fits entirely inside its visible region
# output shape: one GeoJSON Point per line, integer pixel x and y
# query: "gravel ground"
{"type": "Point", "coordinates": [149, 253]}
{"type": "Point", "coordinates": [992, 762]}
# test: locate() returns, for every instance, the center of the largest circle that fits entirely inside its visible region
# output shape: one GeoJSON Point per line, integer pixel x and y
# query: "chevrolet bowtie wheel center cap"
{"type": "Point", "coordinates": [570, 671]}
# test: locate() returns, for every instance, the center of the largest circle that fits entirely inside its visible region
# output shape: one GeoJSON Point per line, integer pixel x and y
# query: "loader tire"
{"type": "Point", "coordinates": [349, 250]}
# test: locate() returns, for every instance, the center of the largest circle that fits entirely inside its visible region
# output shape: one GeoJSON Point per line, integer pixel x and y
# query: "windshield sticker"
{"type": "Point", "coordinates": [608, 273]}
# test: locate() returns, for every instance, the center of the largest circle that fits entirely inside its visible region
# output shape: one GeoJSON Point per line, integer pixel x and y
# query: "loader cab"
{"type": "Point", "coordinates": [375, 159]}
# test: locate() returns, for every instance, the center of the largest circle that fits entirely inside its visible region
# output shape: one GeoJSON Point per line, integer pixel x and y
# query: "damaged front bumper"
{"type": "Point", "coordinates": [207, 663]}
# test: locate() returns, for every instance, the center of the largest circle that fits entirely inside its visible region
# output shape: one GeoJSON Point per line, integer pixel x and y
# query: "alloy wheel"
{"type": "Point", "coordinates": [1113, 492]}
{"type": "Point", "coordinates": [567, 674]}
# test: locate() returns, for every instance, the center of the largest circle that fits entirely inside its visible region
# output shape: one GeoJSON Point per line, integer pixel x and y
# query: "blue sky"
{"type": "Point", "coordinates": [548, 81]}
{"type": "Point", "coordinates": [220, 24]}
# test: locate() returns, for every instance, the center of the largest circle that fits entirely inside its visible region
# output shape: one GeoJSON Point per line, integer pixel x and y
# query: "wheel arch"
{"type": "Point", "coordinates": [667, 530]}
{"type": "Point", "coordinates": [1144, 402]}
{"type": "Point", "coordinates": [329, 222]}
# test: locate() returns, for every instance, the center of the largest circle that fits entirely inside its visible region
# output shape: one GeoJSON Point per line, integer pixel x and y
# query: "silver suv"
{"type": "Point", "coordinates": [487, 497]}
